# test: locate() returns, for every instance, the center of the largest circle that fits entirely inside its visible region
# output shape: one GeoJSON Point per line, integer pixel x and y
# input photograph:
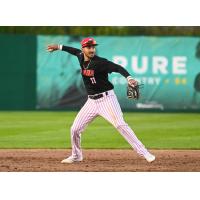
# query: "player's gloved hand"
{"type": "Point", "coordinates": [53, 47]}
{"type": "Point", "coordinates": [132, 89]}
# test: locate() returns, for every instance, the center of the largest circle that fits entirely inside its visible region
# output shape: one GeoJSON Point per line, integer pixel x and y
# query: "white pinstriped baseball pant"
{"type": "Point", "coordinates": [109, 108]}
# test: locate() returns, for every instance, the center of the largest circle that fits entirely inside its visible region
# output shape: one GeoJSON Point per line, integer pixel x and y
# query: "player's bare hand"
{"type": "Point", "coordinates": [52, 47]}
{"type": "Point", "coordinates": [132, 82]}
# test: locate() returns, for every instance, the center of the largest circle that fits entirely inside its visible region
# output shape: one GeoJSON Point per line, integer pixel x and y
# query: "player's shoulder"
{"type": "Point", "coordinates": [100, 59]}
{"type": "Point", "coordinates": [80, 53]}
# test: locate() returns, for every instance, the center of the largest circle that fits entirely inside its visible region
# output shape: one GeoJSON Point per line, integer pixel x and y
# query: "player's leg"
{"type": "Point", "coordinates": [111, 111]}
{"type": "Point", "coordinates": [87, 113]}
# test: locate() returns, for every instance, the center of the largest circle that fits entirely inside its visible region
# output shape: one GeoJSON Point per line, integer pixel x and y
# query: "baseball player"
{"type": "Point", "coordinates": [101, 98]}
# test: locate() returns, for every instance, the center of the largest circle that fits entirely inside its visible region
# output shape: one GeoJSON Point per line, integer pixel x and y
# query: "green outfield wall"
{"type": "Point", "coordinates": [32, 78]}
{"type": "Point", "coordinates": [17, 72]}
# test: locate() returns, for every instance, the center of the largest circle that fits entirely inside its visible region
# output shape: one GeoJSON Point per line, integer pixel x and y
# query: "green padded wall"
{"type": "Point", "coordinates": [17, 72]}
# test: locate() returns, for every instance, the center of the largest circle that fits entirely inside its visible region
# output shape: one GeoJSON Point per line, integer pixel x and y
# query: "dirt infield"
{"type": "Point", "coordinates": [98, 160]}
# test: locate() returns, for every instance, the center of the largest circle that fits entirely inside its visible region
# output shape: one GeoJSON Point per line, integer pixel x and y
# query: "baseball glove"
{"type": "Point", "coordinates": [133, 92]}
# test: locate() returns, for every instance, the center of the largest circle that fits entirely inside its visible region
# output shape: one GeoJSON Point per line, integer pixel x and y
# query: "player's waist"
{"type": "Point", "coordinates": [100, 95]}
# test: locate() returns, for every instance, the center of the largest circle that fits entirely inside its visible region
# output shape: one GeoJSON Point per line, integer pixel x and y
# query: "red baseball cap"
{"type": "Point", "coordinates": [88, 42]}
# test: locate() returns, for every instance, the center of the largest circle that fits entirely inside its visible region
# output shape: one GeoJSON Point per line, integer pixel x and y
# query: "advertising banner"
{"type": "Point", "coordinates": [168, 68]}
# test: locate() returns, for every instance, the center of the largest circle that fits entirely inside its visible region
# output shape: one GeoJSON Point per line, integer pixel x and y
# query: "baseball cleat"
{"type": "Point", "coordinates": [150, 157]}
{"type": "Point", "coordinates": [71, 159]}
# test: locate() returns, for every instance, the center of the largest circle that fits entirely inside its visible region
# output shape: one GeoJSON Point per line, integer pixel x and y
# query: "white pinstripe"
{"type": "Point", "coordinates": [109, 108]}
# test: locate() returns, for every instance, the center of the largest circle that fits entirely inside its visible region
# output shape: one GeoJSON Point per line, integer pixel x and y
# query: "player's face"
{"type": "Point", "coordinates": [89, 51]}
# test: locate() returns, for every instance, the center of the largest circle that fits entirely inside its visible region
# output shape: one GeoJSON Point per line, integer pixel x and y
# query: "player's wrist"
{"type": "Point", "coordinates": [129, 78]}
{"type": "Point", "coordinates": [60, 47]}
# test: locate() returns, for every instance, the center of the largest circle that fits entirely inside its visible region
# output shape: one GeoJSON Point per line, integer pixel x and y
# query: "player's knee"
{"type": "Point", "coordinates": [75, 129]}
{"type": "Point", "coordinates": [120, 125]}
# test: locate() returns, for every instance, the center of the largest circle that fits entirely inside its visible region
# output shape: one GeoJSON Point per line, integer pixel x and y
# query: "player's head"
{"type": "Point", "coordinates": [88, 47]}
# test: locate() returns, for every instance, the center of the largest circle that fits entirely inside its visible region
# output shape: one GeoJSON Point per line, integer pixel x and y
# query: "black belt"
{"type": "Point", "coordinates": [97, 96]}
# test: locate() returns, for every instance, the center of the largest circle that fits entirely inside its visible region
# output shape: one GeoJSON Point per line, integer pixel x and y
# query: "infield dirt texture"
{"type": "Point", "coordinates": [99, 161]}
{"type": "Point", "coordinates": [38, 141]}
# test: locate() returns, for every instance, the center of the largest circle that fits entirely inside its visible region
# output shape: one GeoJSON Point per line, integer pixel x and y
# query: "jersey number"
{"type": "Point", "coordinates": [93, 80]}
